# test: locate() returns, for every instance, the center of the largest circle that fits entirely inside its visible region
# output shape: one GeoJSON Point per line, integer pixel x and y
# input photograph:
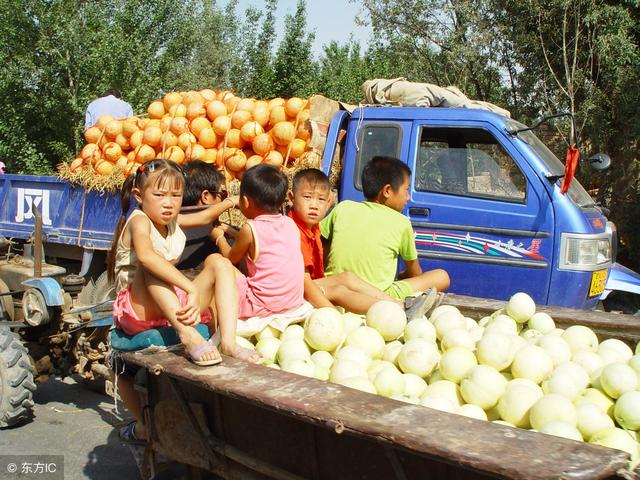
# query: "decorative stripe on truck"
{"type": "Point", "coordinates": [476, 245]}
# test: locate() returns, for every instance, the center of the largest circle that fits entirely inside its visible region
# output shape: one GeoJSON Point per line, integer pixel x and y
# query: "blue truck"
{"type": "Point", "coordinates": [485, 204]}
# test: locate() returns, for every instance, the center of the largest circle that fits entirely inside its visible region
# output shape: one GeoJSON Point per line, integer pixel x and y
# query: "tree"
{"type": "Point", "coordinates": [216, 47]}
{"type": "Point", "coordinates": [342, 72]}
{"type": "Point", "coordinates": [440, 41]}
{"type": "Point", "coordinates": [294, 69]}
{"type": "Point", "coordinates": [17, 35]}
{"type": "Point", "coordinates": [260, 55]}
{"type": "Point", "coordinates": [69, 52]}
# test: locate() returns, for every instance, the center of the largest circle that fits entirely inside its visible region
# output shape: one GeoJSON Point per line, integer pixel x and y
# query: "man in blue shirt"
{"type": "Point", "coordinates": [109, 104]}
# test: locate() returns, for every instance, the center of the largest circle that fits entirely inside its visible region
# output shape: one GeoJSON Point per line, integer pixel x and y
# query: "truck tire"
{"type": "Point", "coordinates": [16, 380]}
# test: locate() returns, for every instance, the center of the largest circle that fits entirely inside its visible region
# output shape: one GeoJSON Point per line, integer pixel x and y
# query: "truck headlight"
{"type": "Point", "coordinates": [585, 252]}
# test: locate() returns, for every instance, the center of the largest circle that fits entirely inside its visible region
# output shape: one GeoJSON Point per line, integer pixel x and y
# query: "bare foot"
{"type": "Point", "coordinates": [193, 342]}
{"type": "Point", "coordinates": [241, 353]}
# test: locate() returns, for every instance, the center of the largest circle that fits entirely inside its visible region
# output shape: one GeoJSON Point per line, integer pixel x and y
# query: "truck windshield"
{"type": "Point", "coordinates": [576, 193]}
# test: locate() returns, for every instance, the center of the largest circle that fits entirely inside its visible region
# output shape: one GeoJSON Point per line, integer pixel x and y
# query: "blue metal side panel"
{"type": "Point", "coordinates": [69, 217]}
{"type": "Point", "coordinates": [332, 139]}
{"type": "Point", "coordinates": [19, 193]}
{"type": "Point", "coordinates": [101, 213]}
{"type": "Point", "coordinates": [622, 279]}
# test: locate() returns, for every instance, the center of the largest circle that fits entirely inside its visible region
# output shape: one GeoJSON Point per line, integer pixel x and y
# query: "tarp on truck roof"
{"type": "Point", "coordinates": [400, 92]}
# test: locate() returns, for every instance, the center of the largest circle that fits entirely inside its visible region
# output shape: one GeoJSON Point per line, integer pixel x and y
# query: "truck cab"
{"type": "Point", "coordinates": [485, 202]}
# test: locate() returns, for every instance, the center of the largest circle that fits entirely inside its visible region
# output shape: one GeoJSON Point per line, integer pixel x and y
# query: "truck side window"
{"type": "Point", "coordinates": [469, 162]}
{"type": "Point", "coordinates": [376, 140]}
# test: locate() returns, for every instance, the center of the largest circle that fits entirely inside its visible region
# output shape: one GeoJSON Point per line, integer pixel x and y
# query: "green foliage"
{"type": "Point", "coordinates": [259, 55]}
{"type": "Point", "coordinates": [438, 41]}
{"type": "Point", "coordinates": [16, 151]}
{"type": "Point", "coordinates": [215, 48]}
{"type": "Point", "coordinates": [342, 71]}
{"type": "Point", "coordinates": [294, 69]}
{"type": "Point", "coordinates": [62, 54]}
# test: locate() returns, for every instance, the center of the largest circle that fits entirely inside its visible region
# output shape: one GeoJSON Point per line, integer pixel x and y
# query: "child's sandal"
{"type": "Point", "coordinates": [415, 306]}
{"type": "Point", "coordinates": [127, 434]}
{"type": "Point", "coordinates": [196, 354]}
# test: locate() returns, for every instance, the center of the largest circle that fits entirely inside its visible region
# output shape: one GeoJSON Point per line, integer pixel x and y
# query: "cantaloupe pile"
{"type": "Point", "coordinates": [214, 126]}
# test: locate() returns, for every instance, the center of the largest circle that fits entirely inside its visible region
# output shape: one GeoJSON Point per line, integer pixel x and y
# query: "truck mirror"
{"type": "Point", "coordinates": [600, 161]}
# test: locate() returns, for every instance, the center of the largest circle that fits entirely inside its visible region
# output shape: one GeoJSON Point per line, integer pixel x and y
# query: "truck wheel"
{"type": "Point", "coordinates": [16, 380]}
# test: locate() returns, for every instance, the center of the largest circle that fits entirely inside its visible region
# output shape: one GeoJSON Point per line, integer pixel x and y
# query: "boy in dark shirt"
{"type": "Point", "coordinates": [203, 188]}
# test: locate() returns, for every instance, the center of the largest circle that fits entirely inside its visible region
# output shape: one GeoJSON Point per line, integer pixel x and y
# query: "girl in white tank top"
{"type": "Point", "coordinates": [151, 291]}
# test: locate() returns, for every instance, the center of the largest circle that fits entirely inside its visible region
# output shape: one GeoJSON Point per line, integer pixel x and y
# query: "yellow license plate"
{"type": "Point", "coordinates": [598, 280]}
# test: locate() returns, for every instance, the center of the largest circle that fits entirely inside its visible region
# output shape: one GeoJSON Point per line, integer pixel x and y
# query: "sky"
{"type": "Point", "coordinates": [331, 20]}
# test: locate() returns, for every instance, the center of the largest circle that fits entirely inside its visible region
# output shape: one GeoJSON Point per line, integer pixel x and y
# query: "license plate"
{"type": "Point", "coordinates": [598, 280]}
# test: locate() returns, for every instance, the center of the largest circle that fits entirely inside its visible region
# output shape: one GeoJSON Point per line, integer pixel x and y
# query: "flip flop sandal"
{"type": "Point", "coordinates": [246, 353]}
{"type": "Point", "coordinates": [418, 305]}
{"type": "Point", "coordinates": [127, 434]}
{"type": "Point", "coordinates": [195, 354]}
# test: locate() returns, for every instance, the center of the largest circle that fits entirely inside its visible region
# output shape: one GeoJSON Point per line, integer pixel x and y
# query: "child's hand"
{"type": "Point", "coordinates": [235, 199]}
{"type": "Point", "coordinates": [228, 230]}
{"type": "Point", "coordinates": [189, 314]}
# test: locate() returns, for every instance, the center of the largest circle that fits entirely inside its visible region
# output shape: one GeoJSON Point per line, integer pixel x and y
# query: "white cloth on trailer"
{"type": "Point", "coordinates": [400, 92]}
{"type": "Point", "coordinates": [248, 327]}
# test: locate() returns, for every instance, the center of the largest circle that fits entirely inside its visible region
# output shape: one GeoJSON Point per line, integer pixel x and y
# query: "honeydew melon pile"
{"type": "Point", "coordinates": [514, 367]}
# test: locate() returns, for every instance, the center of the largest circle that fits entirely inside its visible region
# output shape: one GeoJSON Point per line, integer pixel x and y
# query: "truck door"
{"type": "Point", "coordinates": [479, 211]}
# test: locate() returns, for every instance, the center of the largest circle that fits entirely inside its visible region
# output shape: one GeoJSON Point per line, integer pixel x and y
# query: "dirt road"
{"type": "Point", "coordinates": [78, 423]}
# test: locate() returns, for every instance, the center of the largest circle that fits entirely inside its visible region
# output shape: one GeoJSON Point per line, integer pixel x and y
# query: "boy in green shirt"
{"type": "Point", "coordinates": [368, 237]}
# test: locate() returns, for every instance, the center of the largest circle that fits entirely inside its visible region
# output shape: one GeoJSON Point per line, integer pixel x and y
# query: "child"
{"type": "Point", "coordinates": [203, 188]}
{"type": "Point", "coordinates": [311, 197]}
{"type": "Point", "coordinates": [367, 237]}
{"type": "Point", "coordinates": [151, 291]}
{"type": "Point", "coordinates": [269, 242]}
{"type": "Point", "coordinates": [203, 184]}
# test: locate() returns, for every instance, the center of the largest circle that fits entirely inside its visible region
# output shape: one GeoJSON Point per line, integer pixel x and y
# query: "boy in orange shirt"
{"type": "Point", "coordinates": [311, 197]}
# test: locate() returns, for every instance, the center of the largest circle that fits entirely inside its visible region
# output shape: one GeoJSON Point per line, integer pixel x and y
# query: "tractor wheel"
{"type": "Point", "coordinates": [6, 303]}
{"type": "Point", "coordinates": [16, 380]}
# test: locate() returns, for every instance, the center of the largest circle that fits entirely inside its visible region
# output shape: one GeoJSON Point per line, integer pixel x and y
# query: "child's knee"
{"type": "Point", "coordinates": [347, 278]}
{"type": "Point", "coordinates": [443, 279]}
{"type": "Point", "coordinates": [215, 261]}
